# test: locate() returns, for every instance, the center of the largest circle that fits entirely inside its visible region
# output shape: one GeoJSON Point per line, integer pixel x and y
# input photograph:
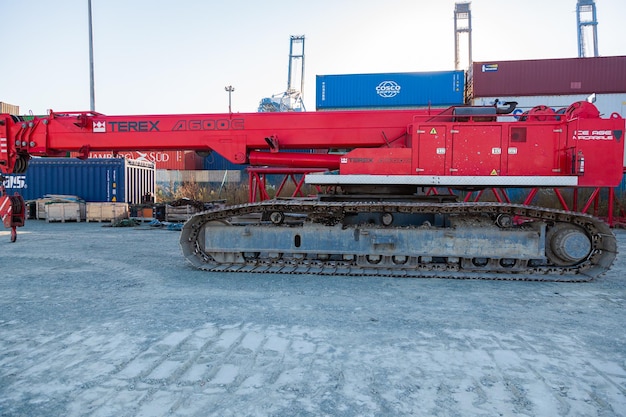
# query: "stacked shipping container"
{"type": "Point", "coordinates": [552, 82]}
{"type": "Point", "coordinates": [389, 90]}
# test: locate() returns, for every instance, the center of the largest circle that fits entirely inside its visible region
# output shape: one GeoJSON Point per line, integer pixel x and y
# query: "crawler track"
{"type": "Point", "coordinates": [472, 241]}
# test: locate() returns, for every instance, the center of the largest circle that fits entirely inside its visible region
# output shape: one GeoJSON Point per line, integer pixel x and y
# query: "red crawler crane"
{"type": "Point", "coordinates": [377, 219]}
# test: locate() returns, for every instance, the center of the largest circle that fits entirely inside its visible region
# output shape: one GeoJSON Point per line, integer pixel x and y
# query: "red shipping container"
{"type": "Point", "coordinates": [600, 75]}
{"type": "Point", "coordinates": [174, 160]}
{"type": "Point", "coordinates": [193, 161]}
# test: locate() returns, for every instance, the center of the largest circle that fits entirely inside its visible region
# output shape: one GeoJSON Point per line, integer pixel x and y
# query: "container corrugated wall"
{"type": "Point", "coordinates": [9, 108]}
{"type": "Point", "coordinates": [93, 180]}
{"type": "Point", "coordinates": [390, 90]}
{"type": "Point", "coordinates": [606, 103]}
{"type": "Point", "coordinates": [216, 162]}
{"type": "Point", "coordinates": [549, 77]}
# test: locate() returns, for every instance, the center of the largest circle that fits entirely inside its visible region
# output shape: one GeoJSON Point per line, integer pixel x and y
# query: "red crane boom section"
{"type": "Point", "coordinates": [458, 141]}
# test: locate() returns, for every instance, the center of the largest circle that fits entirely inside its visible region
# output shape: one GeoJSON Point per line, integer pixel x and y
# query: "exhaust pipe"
{"type": "Point", "coordinates": [506, 110]}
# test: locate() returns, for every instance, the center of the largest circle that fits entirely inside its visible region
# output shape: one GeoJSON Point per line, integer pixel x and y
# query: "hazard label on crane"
{"type": "Point", "coordinates": [433, 131]}
{"type": "Point", "coordinates": [494, 172]}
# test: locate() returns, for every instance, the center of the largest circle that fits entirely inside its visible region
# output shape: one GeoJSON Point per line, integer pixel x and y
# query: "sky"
{"type": "Point", "coordinates": [174, 57]}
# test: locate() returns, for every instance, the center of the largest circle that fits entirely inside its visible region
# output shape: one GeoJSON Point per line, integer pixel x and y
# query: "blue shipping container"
{"type": "Point", "coordinates": [407, 89]}
{"type": "Point", "coordinates": [93, 180]}
{"type": "Point", "coordinates": [216, 162]}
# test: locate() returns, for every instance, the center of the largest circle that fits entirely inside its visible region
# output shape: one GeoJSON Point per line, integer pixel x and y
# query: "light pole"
{"type": "Point", "coordinates": [230, 90]}
{"type": "Point", "coordinates": [92, 94]}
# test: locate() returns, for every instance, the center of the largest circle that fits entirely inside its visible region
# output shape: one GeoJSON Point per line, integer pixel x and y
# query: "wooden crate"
{"type": "Point", "coordinates": [42, 203]}
{"type": "Point", "coordinates": [106, 212]}
{"type": "Point", "coordinates": [64, 212]}
{"type": "Point", "coordinates": [40, 211]}
{"type": "Point", "coordinates": [179, 213]}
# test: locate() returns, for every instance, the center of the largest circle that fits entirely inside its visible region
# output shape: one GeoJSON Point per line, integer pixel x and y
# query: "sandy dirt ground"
{"type": "Point", "coordinates": [101, 321]}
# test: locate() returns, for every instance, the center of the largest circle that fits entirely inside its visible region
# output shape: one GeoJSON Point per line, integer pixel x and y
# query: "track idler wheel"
{"type": "Point", "coordinates": [386, 219]}
{"type": "Point", "coordinates": [567, 244]}
{"type": "Point", "coordinates": [277, 217]}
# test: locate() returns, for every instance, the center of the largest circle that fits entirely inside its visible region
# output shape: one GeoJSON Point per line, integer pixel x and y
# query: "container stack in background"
{"type": "Point", "coordinates": [106, 188]}
{"type": "Point", "coordinates": [175, 169]}
{"type": "Point", "coordinates": [556, 83]}
{"type": "Point", "coordinates": [70, 189]}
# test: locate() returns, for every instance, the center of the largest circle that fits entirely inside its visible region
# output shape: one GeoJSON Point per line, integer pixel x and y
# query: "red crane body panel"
{"type": "Point", "coordinates": [446, 147]}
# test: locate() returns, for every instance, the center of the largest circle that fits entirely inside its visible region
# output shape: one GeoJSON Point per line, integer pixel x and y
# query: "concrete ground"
{"type": "Point", "coordinates": [100, 321]}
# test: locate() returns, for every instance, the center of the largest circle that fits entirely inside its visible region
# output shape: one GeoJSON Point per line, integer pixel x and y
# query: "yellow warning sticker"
{"type": "Point", "coordinates": [433, 131]}
{"type": "Point", "coordinates": [494, 172]}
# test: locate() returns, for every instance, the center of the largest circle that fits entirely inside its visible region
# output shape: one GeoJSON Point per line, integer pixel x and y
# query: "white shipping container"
{"type": "Point", "coordinates": [197, 176]}
{"type": "Point", "coordinates": [9, 108]}
{"type": "Point", "coordinates": [606, 103]}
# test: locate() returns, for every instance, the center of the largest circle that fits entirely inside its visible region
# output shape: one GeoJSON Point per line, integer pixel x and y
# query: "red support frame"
{"type": "Point", "coordinates": [257, 181]}
{"type": "Point", "coordinates": [591, 205]}
{"type": "Point", "coordinates": [499, 193]}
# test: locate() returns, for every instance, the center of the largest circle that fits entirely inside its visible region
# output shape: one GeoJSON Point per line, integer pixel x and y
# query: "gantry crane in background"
{"type": "Point", "coordinates": [586, 16]}
{"type": "Point", "coordinates": [462, 24]}
{"type": "Point", "coordinates": [292, 98]}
